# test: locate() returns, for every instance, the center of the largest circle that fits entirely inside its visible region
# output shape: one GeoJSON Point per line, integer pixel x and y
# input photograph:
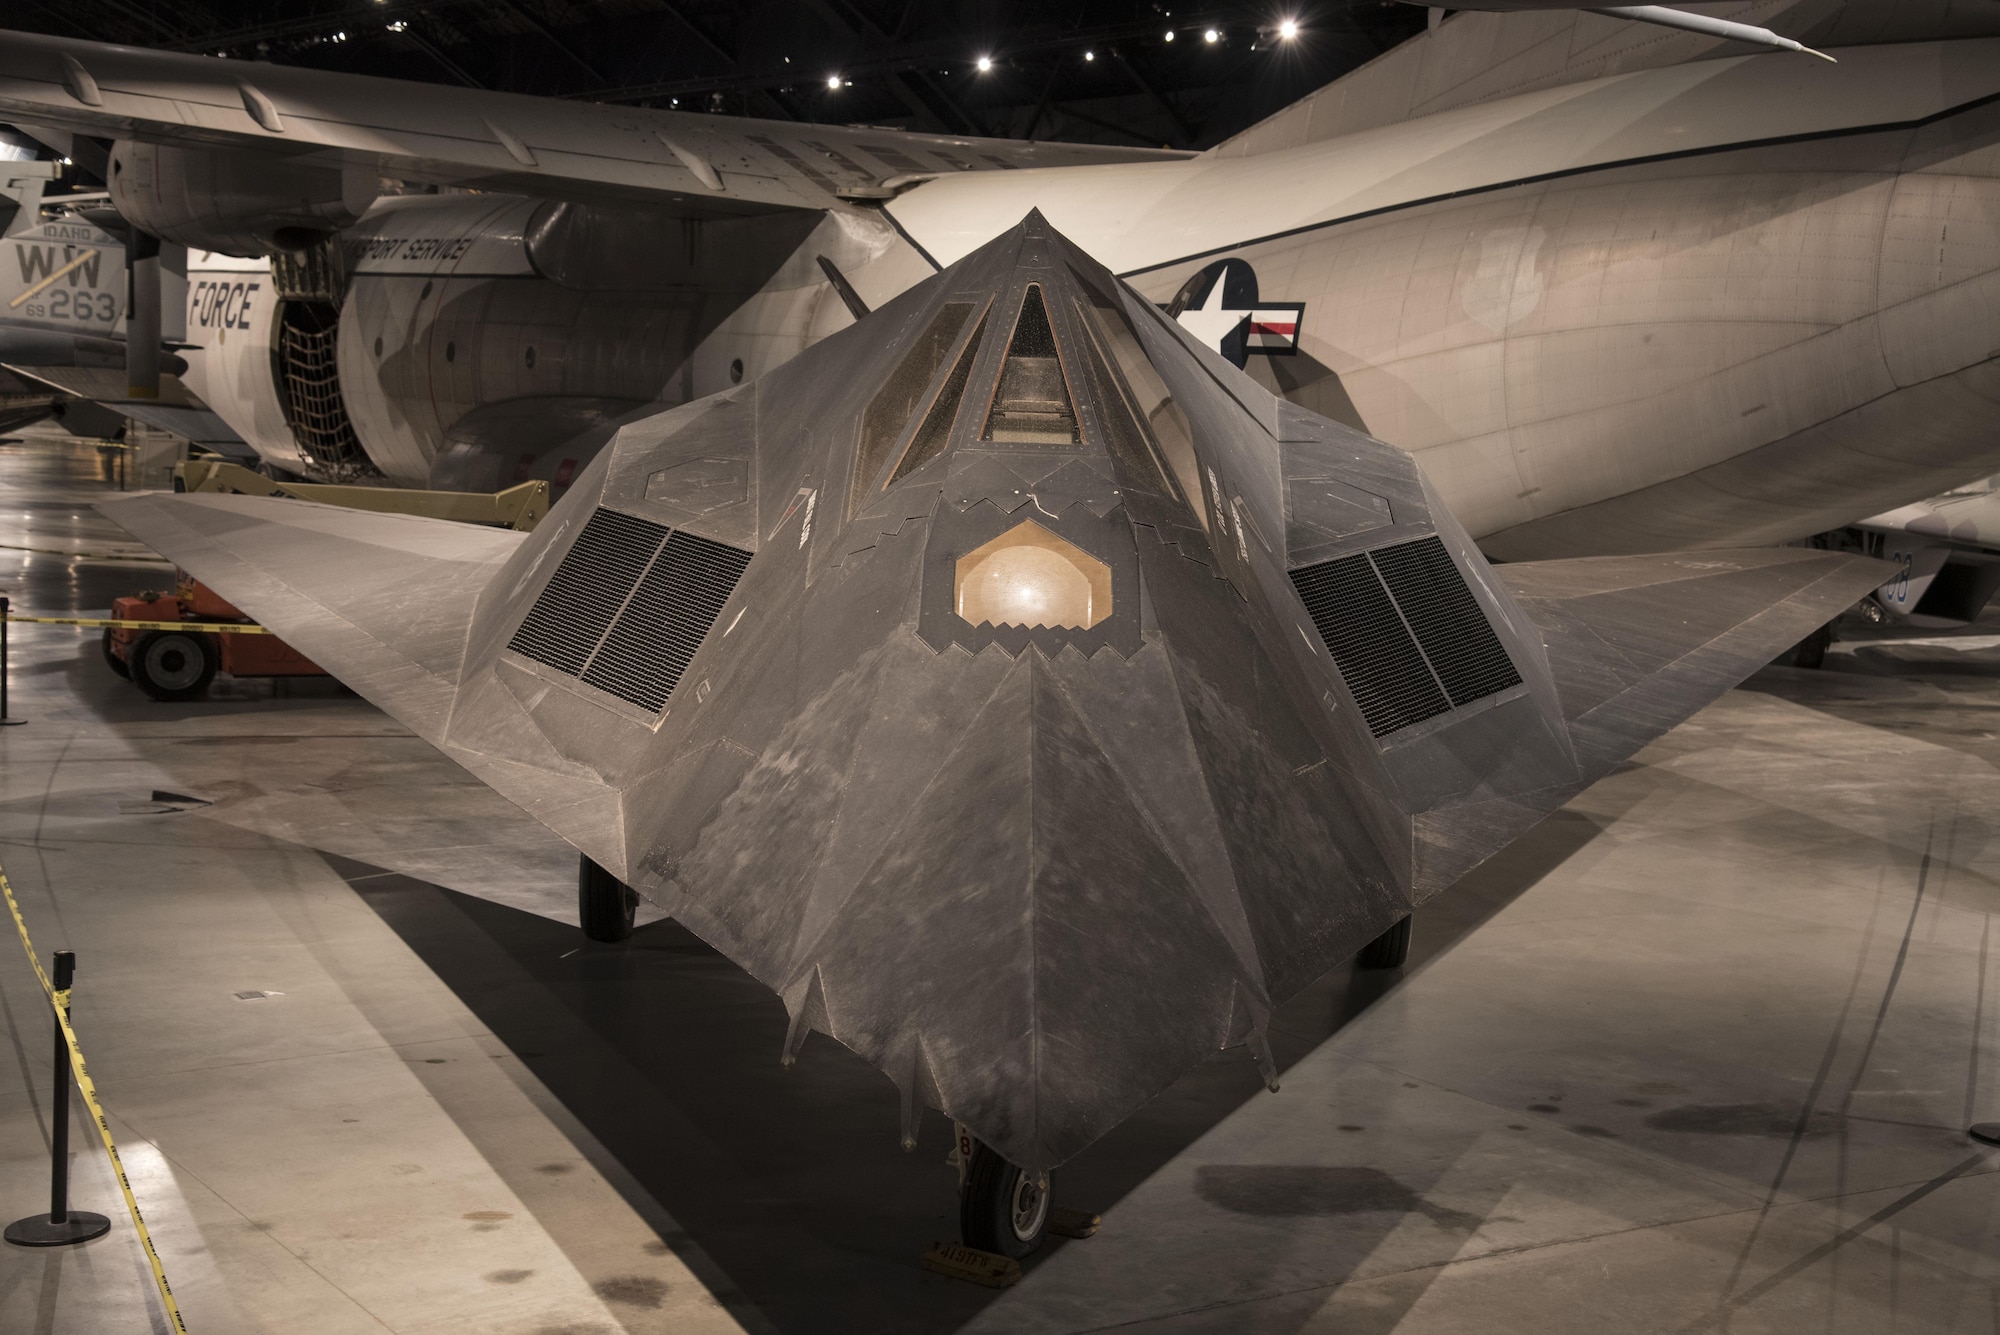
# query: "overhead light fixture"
{"type": "Point", "coordinates": [1211, 36]}
{"type": "Point", "coordinates": [1090, 55]}
{"type": "Point", "coordinates": [1288, 29]}
{"type": "Point", "coordinates": [985, 63]}
{"type": "Point", "coordinates": [833, 81]}
{"type": "Point", "coordinates": [398, 26]}
{"type": "Point", "coordinates": [1170, 34]}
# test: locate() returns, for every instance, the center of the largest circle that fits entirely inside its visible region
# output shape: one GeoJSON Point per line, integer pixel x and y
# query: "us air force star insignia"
{"type": "Point", "coordinates": [1220, 307]}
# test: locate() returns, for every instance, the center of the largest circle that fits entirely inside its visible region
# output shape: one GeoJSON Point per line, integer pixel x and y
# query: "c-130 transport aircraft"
{"type": "Point", "coordinates": [1019, 528]}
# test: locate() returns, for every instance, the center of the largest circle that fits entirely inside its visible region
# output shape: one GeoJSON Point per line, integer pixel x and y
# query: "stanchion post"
{"type": "Point", "coordinates": [61, 1225]}
{"type": "Point", "coordinates": [5, 721]}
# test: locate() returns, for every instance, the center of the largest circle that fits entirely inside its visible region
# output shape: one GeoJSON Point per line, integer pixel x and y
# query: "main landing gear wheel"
{"type": "Point", "coordinates": [1391, 950]}
{"type": "Point", "coordinates": [111, 658]}
{"type": "Point", "coordinates": [1811, 651]}
{"type": "Point", "coordinates": [1002, 1209]}
{"type": "Point", "coordinates": [604, 904]}
{"type": "Point", "coordinates": [173, 664]}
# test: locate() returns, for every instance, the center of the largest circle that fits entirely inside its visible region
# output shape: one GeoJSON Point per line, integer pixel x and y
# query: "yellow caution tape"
{"type": "Point", "coordinates": [214, 627]}
{"type": "Point", "coordinates": [89, 1092]}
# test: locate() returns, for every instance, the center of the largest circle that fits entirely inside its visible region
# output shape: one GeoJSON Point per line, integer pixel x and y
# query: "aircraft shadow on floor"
{"type": "Point", "coordinates": [790, 1183]}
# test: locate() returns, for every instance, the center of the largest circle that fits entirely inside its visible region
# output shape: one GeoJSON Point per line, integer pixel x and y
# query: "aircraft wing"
{"type": "Point", "coordinates": [494, 141]}
{"type": "Point", "coordinates": [175, 410]}
{"type": "Point", "coordinates": [1637, 643]}
{"type": "Point", "coordinates": [392, 624]}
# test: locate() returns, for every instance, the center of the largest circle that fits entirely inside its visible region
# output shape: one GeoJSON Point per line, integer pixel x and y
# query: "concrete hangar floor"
{"type": "Point", "coordinates": [1695, 1055]}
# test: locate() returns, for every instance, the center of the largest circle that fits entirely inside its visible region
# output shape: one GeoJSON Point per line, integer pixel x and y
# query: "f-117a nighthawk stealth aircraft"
{"type": "Point", "coordinates": [1013, 685]}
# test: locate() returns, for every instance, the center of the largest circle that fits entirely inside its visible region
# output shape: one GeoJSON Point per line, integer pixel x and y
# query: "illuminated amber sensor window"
{"type": "Point", "coordinates": [1030, 577]}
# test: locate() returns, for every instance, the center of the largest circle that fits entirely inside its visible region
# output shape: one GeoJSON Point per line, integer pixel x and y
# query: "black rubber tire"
{"type": "Point", "coordinates": [1391, 950]}
{"type": "Point", "coordinates": [1811, 651]}
{"type": "Point", "coordinates": [112, 660]}
{"type": "Point", "coordinates": [987, 1206]}
{"type": "Point", "coordinates": [605, 905]}
{"type": "Point", "coordinates": [173, 664]}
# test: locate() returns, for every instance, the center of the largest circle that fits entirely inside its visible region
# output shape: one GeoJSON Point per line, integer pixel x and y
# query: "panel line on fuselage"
{"type": "Point", "coordinates": [1816, 136]}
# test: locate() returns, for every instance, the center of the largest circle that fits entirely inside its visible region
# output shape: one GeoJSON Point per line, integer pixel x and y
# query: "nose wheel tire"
{"type": "Point", "coordinates": [1391, 950]}
{"type": "Point", "coordinates": [1003, 1209]}
{"type": "Point", "coordinates": [605, 905]}
{"type": "Point", "coordinates": [173, 664]}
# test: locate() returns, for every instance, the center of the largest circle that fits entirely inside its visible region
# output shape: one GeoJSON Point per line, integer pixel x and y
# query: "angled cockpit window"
{"type": "Point", "coordinates": [890, 410]}
{"type": "Point", "coordinates": [1032, 405]}
{"type": "Point", "coordinates": [929, 440]}
{"type": "Point", "coordinates": [1149, 396]}
{"type": "Point", "coordinates": [1123, 435]}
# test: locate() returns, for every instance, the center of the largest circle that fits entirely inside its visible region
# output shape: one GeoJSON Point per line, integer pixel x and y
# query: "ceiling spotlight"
{"type": "Point", "coordinates": [1170, 34]}
{"type": "Point", "coordinates": [833, 81]}
{"type": "Point", "coordinates": [1211, 36]}
{"type": "Point", "coordinates": [398, 26]}
{"type": "Point", "coordinates": [1288, 29]}
{"type": "Point", "coordinates": [1090, 55]}
{"type": "Point", "coordinates": [985, 63]}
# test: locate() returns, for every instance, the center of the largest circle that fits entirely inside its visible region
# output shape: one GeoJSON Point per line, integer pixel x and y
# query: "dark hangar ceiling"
{"type": "Point", "coordinates": [1096, 72]}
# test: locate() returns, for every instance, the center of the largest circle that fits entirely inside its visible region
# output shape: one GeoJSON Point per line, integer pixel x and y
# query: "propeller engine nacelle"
{"type": "Point", "coordinates": [233, 202]}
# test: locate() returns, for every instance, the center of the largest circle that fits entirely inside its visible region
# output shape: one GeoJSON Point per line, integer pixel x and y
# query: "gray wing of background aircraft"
{"type": "Point", "coordinates": [340, 125]}
{"type": "Point", "coordinates": [1011, 684]}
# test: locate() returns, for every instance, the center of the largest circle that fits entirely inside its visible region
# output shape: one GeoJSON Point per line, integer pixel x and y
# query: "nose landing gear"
{"type": "Point", "coordinates": [1001, 1208]}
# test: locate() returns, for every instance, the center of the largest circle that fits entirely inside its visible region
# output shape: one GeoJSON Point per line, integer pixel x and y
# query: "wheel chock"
{"type": "Point", "coordinates": [1073, 1223]}
{"type": "Point", "coordinates": [969, 1263]}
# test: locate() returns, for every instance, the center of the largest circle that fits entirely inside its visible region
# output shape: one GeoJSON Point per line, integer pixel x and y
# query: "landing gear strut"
{"type": "Point", "coordinates": [1811, 651]}
{"type": "Point", "coordinates": [605, 905]}
{"type": "Point", "coordinates": [1001, 1209]}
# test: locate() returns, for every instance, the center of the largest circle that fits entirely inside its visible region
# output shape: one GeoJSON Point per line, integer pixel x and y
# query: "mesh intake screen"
{"type": "Point", "coordinates": [1451, 628]}
{"type": "Point", "coordinates": [1366, 607]}
{"type": "Point", "coordinates": [568, 621]}
{"type": "Point", "coordinates": [1369, 643]}
{"type": "Point", "coordinates": [666, 619]}
{"type": "Point", "coordinates": [629, 605]}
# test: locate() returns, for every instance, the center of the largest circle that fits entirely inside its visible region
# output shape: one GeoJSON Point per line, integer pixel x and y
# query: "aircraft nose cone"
{"type": "Point", "coordinates": [1025, 949]}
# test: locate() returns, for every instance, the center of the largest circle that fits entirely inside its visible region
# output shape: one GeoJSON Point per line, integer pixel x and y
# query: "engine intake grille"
{"type": "Point", "coordinates": [1407, 634]}
{"type": "Point", "coordinates": [629, 605]}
